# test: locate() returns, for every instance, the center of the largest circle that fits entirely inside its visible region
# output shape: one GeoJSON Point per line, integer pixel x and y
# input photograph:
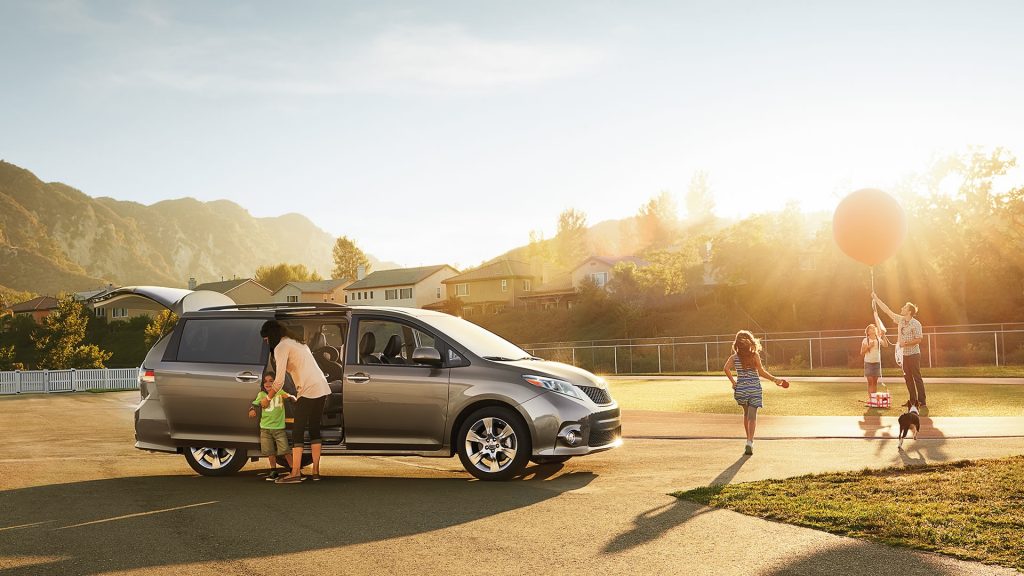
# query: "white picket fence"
{"type": "Point", "coordinates": [46, 381]}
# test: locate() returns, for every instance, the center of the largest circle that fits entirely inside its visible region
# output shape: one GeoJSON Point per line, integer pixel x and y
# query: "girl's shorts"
{"type": "Point", "coordinates": [872, 368]}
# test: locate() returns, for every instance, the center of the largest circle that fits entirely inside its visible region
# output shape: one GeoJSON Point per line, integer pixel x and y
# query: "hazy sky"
{"type": "Point", "coordinates": [444, 132]}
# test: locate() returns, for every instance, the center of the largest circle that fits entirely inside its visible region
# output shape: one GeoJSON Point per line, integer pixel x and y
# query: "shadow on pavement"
{"type": "Point", "coordinates": [131, 523]}
{"type": "Point", "coordinates": [861, 558]}
{"type": "Point", "coordinates": [651, 524]}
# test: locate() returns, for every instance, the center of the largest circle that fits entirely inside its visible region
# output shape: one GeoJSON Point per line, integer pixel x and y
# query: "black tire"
{"type": "Point", "coordinates": [508, 433]}
{"type": "Point", "coordinates": [215, 461]}
{"type": "Point", "coordinates": [549, 459]}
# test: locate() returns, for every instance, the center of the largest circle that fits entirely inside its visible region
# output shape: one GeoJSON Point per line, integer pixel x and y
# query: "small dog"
{"type": "Point", "coordinates": [909, 420]}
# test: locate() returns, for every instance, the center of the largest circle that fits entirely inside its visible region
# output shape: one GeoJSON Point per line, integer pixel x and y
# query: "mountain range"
{"type": "Point", "coordinates": [55, 238]}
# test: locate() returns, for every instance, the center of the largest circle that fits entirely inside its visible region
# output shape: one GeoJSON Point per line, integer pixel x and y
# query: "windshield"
{"type": "Point", "coordinates": [479, 341]}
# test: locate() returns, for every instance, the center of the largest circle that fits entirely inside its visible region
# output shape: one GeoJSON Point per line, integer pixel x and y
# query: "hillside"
{"type": "Point", "coordinates": [55, 238]}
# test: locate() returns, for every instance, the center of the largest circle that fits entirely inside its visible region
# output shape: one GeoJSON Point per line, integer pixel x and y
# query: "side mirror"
{"type": "Point", "coordinates": [428, 356]}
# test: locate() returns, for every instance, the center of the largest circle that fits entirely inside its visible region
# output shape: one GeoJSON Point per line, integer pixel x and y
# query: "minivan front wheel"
{"type": "Point", "coordinates": [494, 443]}
{"type": "Point", "coordinates": [215, 461]}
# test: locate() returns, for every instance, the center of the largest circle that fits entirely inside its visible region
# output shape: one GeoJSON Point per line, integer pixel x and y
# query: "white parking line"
{"type": "Point", "coordinates": [137, 515]}
{"type": "Point", "coordinates": [26, 525]}
{"type": "Point", "coordinates": [410, 464]}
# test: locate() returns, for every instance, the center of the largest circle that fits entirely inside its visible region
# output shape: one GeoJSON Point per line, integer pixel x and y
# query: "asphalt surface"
{"type": "Point", "coordinates": [77, 498]}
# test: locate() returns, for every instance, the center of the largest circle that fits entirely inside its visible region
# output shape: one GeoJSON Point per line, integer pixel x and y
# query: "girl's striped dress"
{"type": "Point", "coordinates": [748, 385]}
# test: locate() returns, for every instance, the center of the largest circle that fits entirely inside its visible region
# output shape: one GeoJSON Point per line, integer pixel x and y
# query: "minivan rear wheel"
{"type": "Point", "coordinates": [215, 461]}
{"type": "Point", "coordinates": [494, 443]}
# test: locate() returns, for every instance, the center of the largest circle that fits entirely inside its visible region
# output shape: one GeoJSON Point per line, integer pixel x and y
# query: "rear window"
{"type": "Point", "coordinates": [222, 341]}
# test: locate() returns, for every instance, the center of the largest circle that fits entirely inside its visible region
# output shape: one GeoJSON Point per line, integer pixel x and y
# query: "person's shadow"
{"type": "Point", "coordinates": [144, 522]}
{"type": "Point", "coordinates": [652, 524]}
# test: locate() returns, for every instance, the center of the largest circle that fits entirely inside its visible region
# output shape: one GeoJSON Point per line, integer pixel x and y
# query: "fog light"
{"type": "Point", "coordinates": [571, 438]}
{"type": "Point", "coordinates": [571, 435]}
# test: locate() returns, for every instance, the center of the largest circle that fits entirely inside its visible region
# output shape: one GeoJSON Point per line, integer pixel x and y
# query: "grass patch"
{"type": "Point", "coordinates": [816, 398]}
{"type": "Point", "coordinates": [969, 510]}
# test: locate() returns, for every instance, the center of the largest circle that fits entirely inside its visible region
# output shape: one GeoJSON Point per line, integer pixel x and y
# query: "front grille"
{"type": "Point", "coordinates": [602, 437]}
{"type": "Point", "coordinates": [598, 395]}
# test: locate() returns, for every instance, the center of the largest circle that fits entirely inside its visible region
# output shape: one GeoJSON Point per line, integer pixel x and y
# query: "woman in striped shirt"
{"type": "Point", "coordinates": [746, 385]}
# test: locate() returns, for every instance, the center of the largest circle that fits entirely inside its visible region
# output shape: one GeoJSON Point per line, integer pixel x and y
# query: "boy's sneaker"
{"type": "Point", "coordinates": [748, 450]}
{"type": "Point", "coordinates": [272, 476]}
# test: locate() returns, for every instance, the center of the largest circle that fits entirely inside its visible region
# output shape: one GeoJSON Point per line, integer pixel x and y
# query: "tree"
{"type": "Point", "coordinates": [159, 326]}
{"type": "Point", "coordinates": [700, 203]}
{"type": "Point", "coordinates": [274, 276]}
{"type": "Point", "coordinates": [657, 221]}
{"type": "Point", "coordinates": [7, 359]}
{"type": "Point", "coordinates": [571, 239]}
{"type": "Point", "coordinates": [59, 342]}
{"type": "Point", "coordinates": [348, 258]}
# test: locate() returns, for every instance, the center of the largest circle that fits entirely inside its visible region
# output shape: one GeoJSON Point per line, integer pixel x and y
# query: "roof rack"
{"type": "Point", "coordinates": [286, 305]}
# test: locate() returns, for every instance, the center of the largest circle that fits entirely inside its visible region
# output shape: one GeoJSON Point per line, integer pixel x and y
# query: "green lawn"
{"type": "Point", "coordinates": [941, 372]}
{"type": "Point", "coordinates": [970, 510]}
{"type": "Point", "coordinates": [816, 398]}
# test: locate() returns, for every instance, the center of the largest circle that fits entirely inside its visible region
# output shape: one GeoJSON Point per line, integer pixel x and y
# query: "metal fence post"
{"type": "Point", "coordinates": [573, 356]}
{"type": "Point", "coordinates": [616, 349]}
{"type": "Point", "coordinates": [707, 362]}
{"type": "Point", "coordinates": [659, 358]}
{"type": "Point", "coordinates": [996, 348]}
{"type": "Point", "coordinates": [810, 352]}
{"type": "Point", "coordinates": [929, 350]}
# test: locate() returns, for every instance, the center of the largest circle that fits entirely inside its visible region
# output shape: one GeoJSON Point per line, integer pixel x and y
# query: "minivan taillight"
{"type": "Point", "coordinates": [146, 377]}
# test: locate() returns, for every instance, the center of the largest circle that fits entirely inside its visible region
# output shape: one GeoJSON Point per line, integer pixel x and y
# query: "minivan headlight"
{"type": "Point", "coordinates": [555, 385]}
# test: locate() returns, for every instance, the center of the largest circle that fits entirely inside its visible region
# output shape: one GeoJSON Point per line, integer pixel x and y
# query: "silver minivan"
{"type": "Point", "coordinates": [404, 381]}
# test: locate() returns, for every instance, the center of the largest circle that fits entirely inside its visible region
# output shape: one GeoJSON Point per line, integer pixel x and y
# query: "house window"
{"type": "Point", "coordinates": [390, 294]}
{"type": "Point", "coordinates": [504, 285]}
{"type": "Point", "coordinates": [371, 294]}
{"type": "Point", "coordinates": [526, 286]}
{"type": "Point", "coordinates": [462, 289]}
{"type": "Point", "coordinates": [119, 313]}
{"type": "Point", "coordinates": [599, 278]}
{"type": "Point", "coordinates": [293, 298]}
{"type": "Point", "coordinates": [467, 311]}
{"type": "Point", "coordinates": [406, 293]}
{"type": "Point", "coordinates": [325, 297]}
{"type": "Point", "coordinates": [499, 308]}
{"type": "Point", "coordinates": [438, 293]}
{"type": "Point", "coordinates": [101, 312]}
{"type": "Point", "coordinates": [346, 298]}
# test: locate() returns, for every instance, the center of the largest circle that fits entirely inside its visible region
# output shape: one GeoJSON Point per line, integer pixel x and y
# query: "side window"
{"type": "Point", "coordinates": [221, 341]}
{"type": "Point", "coordinates": [391, 343]}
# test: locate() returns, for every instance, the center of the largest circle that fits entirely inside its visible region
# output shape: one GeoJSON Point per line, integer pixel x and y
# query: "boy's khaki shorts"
{"type": "Point", "coordinates": [273, 442]}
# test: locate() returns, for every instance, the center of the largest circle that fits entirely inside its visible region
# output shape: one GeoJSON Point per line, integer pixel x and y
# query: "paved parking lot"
{"type": "Point", "coordinates": [77, 498]}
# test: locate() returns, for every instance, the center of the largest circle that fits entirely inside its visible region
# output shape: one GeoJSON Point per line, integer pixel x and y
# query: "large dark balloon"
{"type": "Point", "coordinates": [869, 226]}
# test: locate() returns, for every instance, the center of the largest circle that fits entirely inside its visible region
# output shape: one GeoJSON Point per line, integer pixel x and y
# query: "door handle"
{"type": "Point", "coordinates": [357, 378]}
{"type": "Point", "coordinates": [246, 377]}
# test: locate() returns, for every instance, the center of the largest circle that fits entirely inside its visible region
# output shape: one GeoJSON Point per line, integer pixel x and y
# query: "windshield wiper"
{"type": "Point", "coordinates": [498, 358]}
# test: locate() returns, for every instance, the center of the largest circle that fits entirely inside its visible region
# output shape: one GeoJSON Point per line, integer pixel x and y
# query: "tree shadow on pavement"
{"type": "Point", "coordinates": [856, 558]}
{"type": "Point", "coordinates": [132, 523]}
{"type": "Point", "coordinates": [650, 525]}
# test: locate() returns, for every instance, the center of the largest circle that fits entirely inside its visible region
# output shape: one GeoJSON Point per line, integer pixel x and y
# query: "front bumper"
{"type": "Point", "coordinates": [596, 429]}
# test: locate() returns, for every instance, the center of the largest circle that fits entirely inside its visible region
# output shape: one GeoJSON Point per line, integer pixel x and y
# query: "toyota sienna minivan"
{"type": "Point", "coordinates": [404, 382]}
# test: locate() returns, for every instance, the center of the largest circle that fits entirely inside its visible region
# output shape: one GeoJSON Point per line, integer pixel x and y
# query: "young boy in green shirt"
{"type": "Point", "coordinates": [273, 440]}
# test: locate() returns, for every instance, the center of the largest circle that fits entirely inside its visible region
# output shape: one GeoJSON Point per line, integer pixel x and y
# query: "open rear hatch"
{"type": "Point", "coordinates": [177, 300]}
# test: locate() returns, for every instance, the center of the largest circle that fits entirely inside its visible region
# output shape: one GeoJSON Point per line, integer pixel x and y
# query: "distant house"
{"type": "Point", "coordinates": [241, 290]}
{"type": "Point", "coordinates": [599, 270]}
{"type": "Point", "coordinates": [492, 288]}
{"type": "Point", "coordinates": [555, 293]}
{"type": "Point", "coordinates": [38, 308]}
{"type": "Point", "coordinates": [403, 287]}
{"type": "Point", "coordinates": [322, 291]}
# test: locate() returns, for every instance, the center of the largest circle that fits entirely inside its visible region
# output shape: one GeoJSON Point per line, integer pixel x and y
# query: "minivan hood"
{"type": "Point", "coordinates": [566, 372]}
{"type": "Point", "coordinates": [177, 300]}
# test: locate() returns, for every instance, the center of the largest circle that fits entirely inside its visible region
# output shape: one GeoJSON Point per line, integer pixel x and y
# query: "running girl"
{"type": "Point", "coordinates": [746, 385]}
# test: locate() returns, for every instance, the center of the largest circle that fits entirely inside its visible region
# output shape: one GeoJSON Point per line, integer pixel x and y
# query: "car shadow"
{"type": "Point", "coordinates": [139, 522]}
